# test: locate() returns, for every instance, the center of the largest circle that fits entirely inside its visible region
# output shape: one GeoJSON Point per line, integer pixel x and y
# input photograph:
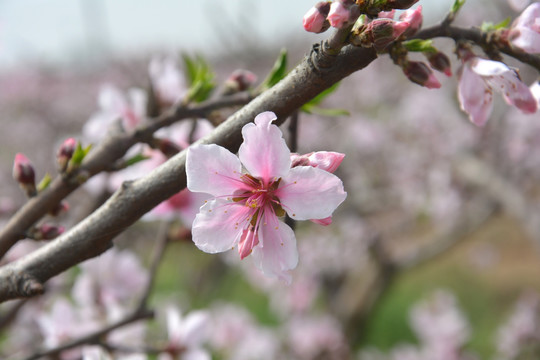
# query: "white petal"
{"type": "Point", "coordinates": [276, 252]}
{"type": "Point", "coordinates": [310, 193]}
{"type": "Point", "coordinates": [264, 152]}
{"type": "Point", "coordinates": [213, 169]}
{"type": "Point", "coordinates": [217, 227]}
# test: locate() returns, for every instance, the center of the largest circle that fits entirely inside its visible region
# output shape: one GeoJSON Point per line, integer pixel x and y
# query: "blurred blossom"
{"type": "Point", "coordinates": [236, 335]}
{"type": "Point", "coordinates": [316, 338]}
{"type": "Point", "coordinates": [525, 30]}
{"type": "Point", "coordinates": [61, 324]}
{"type": "Point", "coordinates": [440, 326]}
{"type": "Point", "coordinates": [522, 330]}
{"type": "Point", "coordinates": [114, 278]}
{"type": "Point", "coordinates": [167, 80]}
{"type": "Point", "coordinates": [115, 106]}
{"type": "Point", "coordinates": [95, 352]}
{"type": "Point", "coordinates": [186, 335]}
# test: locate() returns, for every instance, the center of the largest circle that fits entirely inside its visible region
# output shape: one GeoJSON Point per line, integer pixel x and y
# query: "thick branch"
{"type": "Point", "coordinates": [480, 38]}
{"type": "Point", "coordinates": [112, 148]}
{"type": "Point", "coordinates": [92, 236]}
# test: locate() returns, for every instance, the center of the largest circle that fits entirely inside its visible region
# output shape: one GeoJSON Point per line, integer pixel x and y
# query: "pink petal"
{"type": "Point", "coordinates": [338, 15]}
{"type": "Point", "coordinates": [217, 226]}
{"type": "Point", "coordinates": [277, 252]}
{"type": "Point", "coordinates": [326, 160]}
{"type": "Point", "coordinates": [526, 39]}
{"type": "Point", "coordinates": [195, 328]}
{"type": "Point", "coordinates": [513, 90]}
{"type": "Point", "coordinates": [310, 193]}
{"type": "Point", "coordinates": [324, 222]}
{"type": "Point", "coordinates": [264, 152]}
{"type": "Point", "coordinates": [474, 96]}
{"type": "Point", "coordinates": [213, 169]}
{"type": "Point", "coordinates": [528, 17]}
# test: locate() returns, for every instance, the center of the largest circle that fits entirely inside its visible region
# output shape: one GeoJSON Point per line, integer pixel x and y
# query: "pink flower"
{"type": "Point", "coordinates": [315, 19]}
{"type": "Point", "coordinates": [525, 31]}
{"type": "Point", "coordinates": [414, 19]}
{"type": "Point", "coordinates": [247, 206]}
{"type": "Point", "coordinates": [113, 105]}
{"type": "Point", "coordinates": [167, 80]}
{"type": "Point", "coordinates": [477, 80]}
{"type": "Point", "coordinates": [186, 335]}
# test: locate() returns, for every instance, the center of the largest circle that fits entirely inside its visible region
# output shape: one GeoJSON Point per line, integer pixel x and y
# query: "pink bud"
{"type": "Point", "coordinates": [440, 62]}
{"type": "Point", "coordinates": [414, 18]}
{"type": "Point", "coordinates": [239, 80]}
{"type": "Point", "coordinates": [420, 74]}
{"type": "Point", "coordinates": [23, 173]}
{"type": "Point", "coordinates": [324, 160]}
{"type": "Point", "coordinates": [315, 18]}
{"type": "Point", "coordinates": [65, 152]}
{"type": "Point", "coordinates": [379, 33]}
{"type": "Point", "coordinates": [339, 15]}
{"type": "Point", "coordinates": [46, 232]}
{"type": "Point", "coordinates": [62, 207]}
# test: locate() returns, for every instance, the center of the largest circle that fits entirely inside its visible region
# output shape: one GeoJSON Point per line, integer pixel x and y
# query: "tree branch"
{"type": "Point", "coordinates": [318, 71]}
{"type": "Point", "coordinates": [112, 148]}
{"type": "Point", "coordinates": [480, 38]}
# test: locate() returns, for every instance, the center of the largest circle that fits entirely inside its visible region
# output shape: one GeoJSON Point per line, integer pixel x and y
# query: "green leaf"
{"type": "Point", "coordinates": [79, 154]}
{"type": "Point", "coordinates": [200, 78]}
{"type": "Point", "coordinates": [135, 159]}
{"type": "Point", "coordinates": [457, 5]}
{"type": "Point", "coordinates": [319, 98]}
{"type": "Point", "coordinates": [44, 183]}
{"type": "Point", "coordinates": [312, 109]}
{"type": "Point", "coordinates": [278, 72]}
{"type": "Point", "coordinates": [417, 45]}
{"type": "Point", "coordinates": [489, 26]}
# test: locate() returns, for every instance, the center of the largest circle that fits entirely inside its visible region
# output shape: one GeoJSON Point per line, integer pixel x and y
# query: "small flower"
{"type": "Point", "coordinates": [478, 78]}
{"type": "Point", "coordinates": [186, 335]}
{"type": "Point", "coordinates": [525, 31]}
{"type": "Point", "coordinates": [167, 81]}
{"type": "Point", "coordinates": [315, 19]}
{"type": "Point", "coordinates": [247, 206]}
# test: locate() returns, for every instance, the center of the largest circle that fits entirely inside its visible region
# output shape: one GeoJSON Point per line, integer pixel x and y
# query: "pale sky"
{"type": "Point", "coordinates": [63, 30]}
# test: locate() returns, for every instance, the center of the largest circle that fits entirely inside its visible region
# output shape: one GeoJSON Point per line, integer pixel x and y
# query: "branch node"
{"type": "Point", "coordinates": [27, 286]}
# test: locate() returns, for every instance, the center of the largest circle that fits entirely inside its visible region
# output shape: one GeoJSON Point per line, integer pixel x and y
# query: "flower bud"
{"type": "Point", "coordinates": [239, 80]}
{"type": "Point", "coordinates": [339, 14]}
{"type": "Point", "coordinates": [167, 147]}
{"type": "Point", "coordinates": [45, 232]}
{"type": "Point", "coordinates": [440, 62]}
{"type": "Point", "coordinates": [414, 18]}
{"type": "Point", "coordinates": [378, 33]}
{"type": "Point", "coordinates": [65, 152]}
{"type": "Point", "coordinates": [60, 208]}
{"type": "Point", "coordinates": [315, 19]}
{"type": "Point", "coordinates": [420, 74]}
{"type": "Point", "coordinates": [23, 173]}
{"type": "Point", "coordinates": [324, 160]}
